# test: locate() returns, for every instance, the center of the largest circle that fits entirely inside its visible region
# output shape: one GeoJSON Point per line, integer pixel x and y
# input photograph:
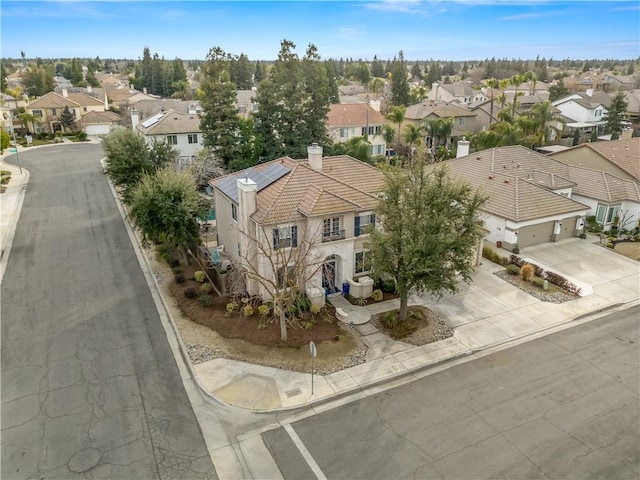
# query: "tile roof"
{"type": "Point", "coordinates": [73, 100]}
{"type": "Point", "coordinates": [100, 117]}
{"type": "Point", "coordinates": [354, 114]}
{"type": "Point", "coordinates": [171, 122]}
{"type": "Point", "coordinates": [623, 153]}
{"type": "Point", "coordinates": [503, 174]}
{"type": "Point", "coordinates": [603, 186]}
{"type": "Point", "coordinates": [344, 184]}
{"type": "Point", "coordinates": [439, 109]}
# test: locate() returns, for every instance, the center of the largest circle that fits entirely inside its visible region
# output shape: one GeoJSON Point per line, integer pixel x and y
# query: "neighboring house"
{"type": "Point", "coordinates": [182, 131]}
{"type": "Point", "coordinates": [633, 106]}
{"type": "Point", "coordinates": [327, 201]}
{"type": "Point", "coordinates": [589, 107]}
{"type": "Point", "coordinates": [246, 103]}
{"type": "Point", "coordinates": [463, 119]}
{"type": "Point", "coordinates": [529, 200]}
{"type": "Point", "coordinates": [459, 92]}
{"type": "Point", "coordinates": [620, 158]}
{"type": "Point", "coordinates": [50, 106]}
{"type": "Point", "coordinates": [99, 123]}
{"type": "Point", "coordinates": [613, 83]}
{"type": "Point", "coordinates": [346, 121]}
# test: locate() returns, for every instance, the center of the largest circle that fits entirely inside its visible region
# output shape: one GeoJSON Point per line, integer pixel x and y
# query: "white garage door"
{"type": "Point", "coordinates": [97, 129]}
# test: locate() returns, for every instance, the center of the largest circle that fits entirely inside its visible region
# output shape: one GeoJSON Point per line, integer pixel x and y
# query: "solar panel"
{"type": "Point", "coordinates": [152, 120]}
{"type": "Point", "coordinates": [263, 179]}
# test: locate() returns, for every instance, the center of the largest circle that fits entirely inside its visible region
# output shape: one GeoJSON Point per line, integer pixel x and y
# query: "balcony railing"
{"type": "Point", "coordinates": [333, 236]}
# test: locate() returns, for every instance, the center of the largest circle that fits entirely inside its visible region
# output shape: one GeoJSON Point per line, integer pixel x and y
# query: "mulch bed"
{"type": "Point", "coordinates": [421, 327]}
{"type": "Point", "coordinates": [236, 326]}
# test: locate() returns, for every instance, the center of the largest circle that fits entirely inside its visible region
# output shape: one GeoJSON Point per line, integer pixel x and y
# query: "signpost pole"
{"type": "Point", "coordinates": [13, 131]}
{"type": "Point", "coordinates": [314, 352]}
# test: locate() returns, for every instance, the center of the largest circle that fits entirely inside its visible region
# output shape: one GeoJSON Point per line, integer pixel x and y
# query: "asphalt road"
{"type": "Point", "coordinates": [88, 378]}
{"type": "Point", "coordinates": [562, 407]}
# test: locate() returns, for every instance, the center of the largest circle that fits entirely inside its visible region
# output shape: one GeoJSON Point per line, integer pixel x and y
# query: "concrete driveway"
{"type": "Point", "coordinates": [491, 311]}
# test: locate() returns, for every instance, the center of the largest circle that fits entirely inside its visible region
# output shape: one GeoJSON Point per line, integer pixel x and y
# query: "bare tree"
{"type": "Point", "coordinates": [203, 168]}
{"type": "Point", "coordinates": [281, 260]}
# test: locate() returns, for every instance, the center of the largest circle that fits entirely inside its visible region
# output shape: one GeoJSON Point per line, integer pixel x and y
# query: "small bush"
{"type": "Point", "coordinates": [303, 303]}
{"type": "Point", "coordinates": [179, 278]}
{"type": "Point", "coordinates": [263, 310]}
{"type": "Point", "coordinates": [513, 269]}
{"type": "Point", "coordinates": [199, 276]}
{"type": "Point", "coordinates": [390, 319]}
{"type": "Point", "coordinates": [309, 324]}
{"type": "Point", "coordinates": [389, 286]}
{"type": "Point", "coordinates": [206, 288]}
{"type": "Point", "coordinates": [527, 271]}
{"type": "Point", "coordinates": [247, 310]}
{"type": "Point", "coordinates": [189, 292]}
{"type": "Point", "coordinates": [315, 309]}
{"type": "Point", "coordinates": [361, 302]}
{"type": "Point", "coordinates": [377, 295]}
{"type": "Point", "coordinates": [538, 282]}
{"type": "Point", "coordinates": [232, 307]}
{"type": "Point", "coordinates": [204, 300]}
{"type": "Point", "coordinates": [176, 270]}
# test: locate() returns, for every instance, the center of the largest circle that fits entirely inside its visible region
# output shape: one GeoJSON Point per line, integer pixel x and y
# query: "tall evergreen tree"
{"type": "Point", "coordinates": [241, 72]}
{"type": "Point", "coordinates": [67, 119]}
{"type": "Point", "coordinates": [258, 73]}
{"type": "Point", "coordinates": [377, 68]}
{"type": "Point", "coordinates": [400, 92]}
{"type": "Point", "coordinates": [220, 121]}
{"type": "Point", "coordinates": [147, 69]}
{"type": "Point", "coordinates": [616, 115]}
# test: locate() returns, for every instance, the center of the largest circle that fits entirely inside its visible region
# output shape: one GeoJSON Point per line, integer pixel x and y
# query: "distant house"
{"type": "Point", "coordinates": [246, 103]}
{"type": "Point", "coordinates": [49, 107]}
{"type": "Point", "coordinates": [325, 200]}
{"type": "Point", "coordinates": [464, 120]}
{"type": "Point", "coordinates": [182, 131]}
{"type": "Point", "coordinates": [632, 98]}
{"type": "Point", "coordinates": [589, 107]}
{"type": "Point", "coordinates": [620, 158]}
{"type": "Point", "coordinates": [346, 121]}
{"type": "Point", "coordinates": [530, 195]}
{"type": "Point", "coordinates": [99, 123]}
{"type": "Point", "coordinates": [459, 92]}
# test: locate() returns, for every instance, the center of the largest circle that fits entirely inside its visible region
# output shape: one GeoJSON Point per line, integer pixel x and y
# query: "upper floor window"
{"type": "Point", "coordinates": [234, 211]}
{"type": "Point", "coordinates": [331, 229]}
{"type": "Point", "coordinates": [461, 121]}
{"type": "Point", "coordinates": [192, 138]}
{"type": "Point", "coordinates": [598, 112]}
{"type": "Point", "coordinates": [363, 221]}
{"type": "Point", "coordinates": [172, 139]}
{"type": "Point", "coordinates": [54, 112]}
{"type": "Point", "coordinates": [378, 129]}
{"type": "Point", "coordinates": [37, 113]}
{"type": "Point", "coordinates": [285, 236]}
{"type": "Point", "coordinates": [84, 109]}
{"type": "Point", "coordinates": [344, 132]}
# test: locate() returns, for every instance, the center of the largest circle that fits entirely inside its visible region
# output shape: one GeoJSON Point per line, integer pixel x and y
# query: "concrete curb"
{"type": "Point", "coordinates": [9, 234]}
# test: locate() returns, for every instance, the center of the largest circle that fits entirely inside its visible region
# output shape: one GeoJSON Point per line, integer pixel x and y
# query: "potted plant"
{"type": "Point", "coordinates": [516, 249]}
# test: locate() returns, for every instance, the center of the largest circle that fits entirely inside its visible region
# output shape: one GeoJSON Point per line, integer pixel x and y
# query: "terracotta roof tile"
{"type": "Point", "coordinates": [355, 114]}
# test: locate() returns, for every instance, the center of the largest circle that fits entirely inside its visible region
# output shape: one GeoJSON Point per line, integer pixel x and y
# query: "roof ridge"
{"type": "Point", "coordinates": [337, 179]}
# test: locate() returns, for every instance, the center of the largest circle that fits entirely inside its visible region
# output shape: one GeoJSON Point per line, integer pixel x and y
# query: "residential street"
{"type": "Point", "coordinates": [560, 407]}
{"type": "Point", "coordinates": [88, 377]}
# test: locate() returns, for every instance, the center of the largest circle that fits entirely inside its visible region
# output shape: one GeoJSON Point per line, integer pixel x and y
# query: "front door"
{"type": "Point", "coordinates": [329, 275]}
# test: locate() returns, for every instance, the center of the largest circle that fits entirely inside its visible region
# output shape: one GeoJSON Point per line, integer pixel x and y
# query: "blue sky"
{"type": "Point", "coordinates": [447, 30]}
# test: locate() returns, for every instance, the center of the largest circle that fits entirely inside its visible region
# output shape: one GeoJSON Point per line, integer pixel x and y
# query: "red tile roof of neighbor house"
{"type": "Point", "coordinates": [344, 184]}
{"type": "Point", "coordinates": [353, 115]}
{"type": "Point", "coordinates": [623, 153]}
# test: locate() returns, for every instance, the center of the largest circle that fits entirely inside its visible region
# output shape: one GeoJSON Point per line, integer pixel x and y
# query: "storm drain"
{"type": "Point", "coordinates": [293, 393]}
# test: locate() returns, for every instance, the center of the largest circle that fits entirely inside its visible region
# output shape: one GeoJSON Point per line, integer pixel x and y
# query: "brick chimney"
{"type": "Point", "coordinates": [314, 152]}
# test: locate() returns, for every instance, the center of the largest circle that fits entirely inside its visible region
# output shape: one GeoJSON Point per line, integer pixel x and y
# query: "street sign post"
{"type": "Point", "coordinates": [314, 353]}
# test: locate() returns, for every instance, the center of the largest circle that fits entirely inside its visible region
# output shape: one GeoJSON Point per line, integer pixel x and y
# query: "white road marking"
{"type": "Point", "coordinates": [305, 453]}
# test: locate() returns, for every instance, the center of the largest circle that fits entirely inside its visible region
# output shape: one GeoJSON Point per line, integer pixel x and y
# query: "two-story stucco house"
{"type": "Point", "coordinates": [324, 201]}
{"type": "Point", "coordinates": [49, 107]}
{"type": "Point", "coordinates": [346, 121]}
{"type": "Point", "coordinates": [182, 131]}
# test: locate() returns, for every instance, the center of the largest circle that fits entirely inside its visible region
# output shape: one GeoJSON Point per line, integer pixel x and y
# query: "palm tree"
{"type": "Point", "coordinates": [546, 121]}
{"type": "Point", "coordinates": [28, 118]}
{"type": "Point", "coordinates": [412, 135]}
{"type": "Point", "coordinates": [438, 129]}
{"type": "Point", "coordinates": [397, 116]}
{"type": "Point", "coordinates": [491, 83]}
{"type": "Point", "coordinates": [516, 80]}
{"type": "Point", "coordinates": [533, 78]}
{"type": "Point", "coordinates": [389, 134]}
{"type": "Point", "coordinates": [16, 92]}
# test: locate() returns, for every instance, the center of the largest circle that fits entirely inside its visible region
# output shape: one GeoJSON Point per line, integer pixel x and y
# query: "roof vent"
{"type": "Point", "coordinates": [478, 158]}
{"type": "Point", "coordinates": [506, 181]}
{"type": "Point", "coordinates": [491, 177]}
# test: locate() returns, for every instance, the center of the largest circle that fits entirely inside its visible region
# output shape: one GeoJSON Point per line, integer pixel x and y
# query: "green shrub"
{"type": "Point", "coordinates": [303, 303]}
{"type": "Point", "coordinates": [4, 180]}
{"type": "Point", "coordinates": [389, 286]}
{"type": "Point", "coordinates": [538, 282]}
{"type": "Point", "coordinates": [176, 270]}
{"type": "Point", "coordinates": [204, 300]}
{"type": "Point", "coordinates": [232, 307]}
{"type": "Point", "coordinates": [247, 310]}
{"type": "Point", "coordinates": [513, 269]}
{"type": "Point", "coordinates": [263, 310]}
{"type": "Point", "coordinates": [179, 278]}
{"type": "Point", "coordinates": [308, 325]}
{"type": "Point", "coordinates": [377, 295]}
{"type": "Point", "coordinates": [199, 276]}
{"type": "Point", "coordinates": [390, 319]}
{"type": "Point", "coordinates": [527, 271]}
{"type": "Point", "coordinates": [205, 288]}
{"type": "Point", "coordinates": [361, 302]}
{"type": "Point", "coordinates": [189, 292]}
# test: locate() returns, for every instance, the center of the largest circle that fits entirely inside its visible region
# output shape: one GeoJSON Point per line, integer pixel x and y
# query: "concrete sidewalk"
{"type": "Point", "coordinates": [485, 314]}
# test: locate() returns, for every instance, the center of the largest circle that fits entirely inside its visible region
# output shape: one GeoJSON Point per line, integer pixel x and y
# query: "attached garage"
{"type": "Point", "coordinates": [535, 234]}
{"type": "Point", "coordinates": [97, 129]}
{"type": "Point", "coordinates": [567, 228]}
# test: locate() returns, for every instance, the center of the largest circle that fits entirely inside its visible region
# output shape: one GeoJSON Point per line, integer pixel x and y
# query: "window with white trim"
{"type": "Point", "coordinates": [461, 121]}
{"type": "Point", "coordinates": [344, 132]}
{"type": "Point", "coordinates": [172, 139]}
{"type": "Point", "coordinates": [192, 138]}
{"type": "Point", "coordinates": [286, 276]}
{"type": "Point", "coordinates": [37, 113]}
{"type": "Point", "coordinates": [285, 236]}
{"type": "Point", "coordinates": [234, 211]}
{"type": "Point", "coordinates": [362, 262]}
{"type": "Point", "coordinates": [361, 222]}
